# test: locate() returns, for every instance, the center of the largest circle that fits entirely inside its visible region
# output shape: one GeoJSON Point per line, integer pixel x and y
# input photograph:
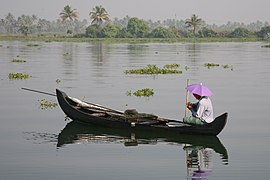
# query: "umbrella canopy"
{"type": "Point", "coordinates": [199, 89]}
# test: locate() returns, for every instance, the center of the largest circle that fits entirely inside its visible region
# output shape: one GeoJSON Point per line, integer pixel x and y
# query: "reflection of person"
{"type": "Point", "coordinates": [199, 162]}
{"type": "Point", "coordinates": [202, 111]}
{"type": "Point", "coordinates": [205, 165]}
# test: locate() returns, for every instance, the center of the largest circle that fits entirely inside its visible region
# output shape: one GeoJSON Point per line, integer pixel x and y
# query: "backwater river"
{"type": "Point", "coordinates": [40, 143]}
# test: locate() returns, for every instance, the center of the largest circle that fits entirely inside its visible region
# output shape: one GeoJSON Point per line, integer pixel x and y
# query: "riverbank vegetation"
{"type": "Point", "coordinates": [121, 40]}
{"type": "Point", "coordinates": [129, 29]}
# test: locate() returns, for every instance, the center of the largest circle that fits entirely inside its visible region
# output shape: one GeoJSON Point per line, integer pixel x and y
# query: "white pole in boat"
{"type": "Point", "coordinates": [186, 110]}
{"type": "Point", "coordinates": [187, 93]}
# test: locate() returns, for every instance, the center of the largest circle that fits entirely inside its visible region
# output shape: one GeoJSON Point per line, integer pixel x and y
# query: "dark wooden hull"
{"type": "Point", "coordinates": [115, 119]}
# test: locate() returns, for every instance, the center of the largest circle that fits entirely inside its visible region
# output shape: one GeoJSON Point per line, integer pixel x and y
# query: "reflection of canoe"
{"type": "Point", "coordinates": [99, 115]}
{"type": "Point", "coordinates": [75, 132]}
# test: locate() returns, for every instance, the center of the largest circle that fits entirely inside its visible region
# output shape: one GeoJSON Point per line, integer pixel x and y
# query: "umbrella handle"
{"type": "Point", "coordinates": [186, 109]}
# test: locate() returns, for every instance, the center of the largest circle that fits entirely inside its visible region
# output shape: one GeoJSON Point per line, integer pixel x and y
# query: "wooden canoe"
{"type": "Point", "coordinates": [94, 114]}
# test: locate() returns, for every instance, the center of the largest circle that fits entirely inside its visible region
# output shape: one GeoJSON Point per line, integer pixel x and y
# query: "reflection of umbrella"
{"type": "Point", "coordinates": [202, 175]}
{"type": "Point", "coordinates": [199, 89]}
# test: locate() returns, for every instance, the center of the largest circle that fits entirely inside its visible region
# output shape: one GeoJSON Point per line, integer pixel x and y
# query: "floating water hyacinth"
{"type": "Point", "coordinates": [209, 65]}
{"type": "Point", "coordinates": [32, 45]}
{"type": "Point", "coordinates": [18, 61]}
{"type": "Point", "coordinates": [266, 46]}
{"type": "Point", "coordinates": [57, 81]}
{"type": "Point", "coordinates": [142, 92]}
{"type": "Point", "coordinates": [18, 76]}
{"type": "Point", "coordinates": [45, 104]}
{"type": "Point", "coordinates": [154, 69]}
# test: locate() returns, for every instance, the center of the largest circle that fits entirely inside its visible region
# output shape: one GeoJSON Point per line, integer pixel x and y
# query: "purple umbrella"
{"type": "Point", "coordinates": [199, 89]}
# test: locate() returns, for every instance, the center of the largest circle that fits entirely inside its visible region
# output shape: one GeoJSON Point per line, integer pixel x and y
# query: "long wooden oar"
{"type": "Point", "coordinates": [37, 91]}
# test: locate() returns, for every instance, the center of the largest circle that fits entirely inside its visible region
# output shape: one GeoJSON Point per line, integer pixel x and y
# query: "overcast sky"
{"type": "Point", "coordinates": [211, 11]}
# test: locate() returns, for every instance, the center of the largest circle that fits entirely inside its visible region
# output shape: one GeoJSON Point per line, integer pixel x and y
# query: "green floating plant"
{"type": "Point", "coordinates": [154, 69]}
{"type": "Point", "coordinates": [129, 93]}
{"type": "Point", "coordinates": [57, 81]}
{"type": "Point", "coordinates": [171, 66]}
{"type": "Point", "coordinates": [266, 46]}
{"type": "Point", "coordinates": [18, 61]}
{"type": "Point", "coordinates": [187, 68]}
{"type": "Point", "coordinates": [142, 92]}
{"type": "Point", "coordinates": [45, 104]}
{"type": "Point", "coordinates": [32, 45]}
{"type": "Point", "coordinates": [226, 66]}
{"type": "Point", "coordinates": [211, 65]}
{"type": "Point", "coordinates": [18, 76]}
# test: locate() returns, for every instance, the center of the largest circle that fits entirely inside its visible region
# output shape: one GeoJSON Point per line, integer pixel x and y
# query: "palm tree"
{"type": "Point", "coordinates": [194, 22]}
{"type": "Point", "coordinates": [99, 15]}
{"type": "Point", "coordinates": [69, 13]}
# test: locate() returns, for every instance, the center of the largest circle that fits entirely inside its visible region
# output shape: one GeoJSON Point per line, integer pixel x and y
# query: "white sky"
{"type": "Point", "coordinates": [211, 11]}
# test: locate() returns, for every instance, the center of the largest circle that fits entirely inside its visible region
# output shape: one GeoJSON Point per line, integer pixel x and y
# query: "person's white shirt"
{"type": "Point", "coordinates": [205, 109]}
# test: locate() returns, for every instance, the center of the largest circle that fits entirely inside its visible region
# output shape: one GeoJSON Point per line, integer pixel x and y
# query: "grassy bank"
{"type": "Point", "coordinates": [121, 40]}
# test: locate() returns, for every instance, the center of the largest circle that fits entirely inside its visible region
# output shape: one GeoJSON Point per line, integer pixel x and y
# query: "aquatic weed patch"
{"type": "Point", "coordinates": [18, 76]}
{"type": "Point", "coordinates": [210, 65]}
{"type": "Point", "coordinates": [266, 46]}
{"type": "Point", "coordinates": [57, 81]}
{"type": "Point", "coordinates": [154, 69]}
{"type": "Point", "coordinates": [147, 92]}
{"type": "Point", "coordinates": [46, 104]}
{"type": "Point", "coordinates": [32, 45]}
{"type": "Point", "coordinates": [18, 61]}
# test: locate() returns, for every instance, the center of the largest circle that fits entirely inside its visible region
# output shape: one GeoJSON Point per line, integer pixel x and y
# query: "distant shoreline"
{"type": "Point", "coordinates": [124, 40]}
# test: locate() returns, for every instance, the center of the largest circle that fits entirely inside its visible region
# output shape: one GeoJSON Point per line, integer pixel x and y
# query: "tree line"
{"type": "Point", "coordinates": [102, 26]}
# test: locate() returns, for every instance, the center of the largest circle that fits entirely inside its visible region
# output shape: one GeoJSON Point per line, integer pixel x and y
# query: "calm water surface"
{"type": "Point", "coordinates": [38, 143]}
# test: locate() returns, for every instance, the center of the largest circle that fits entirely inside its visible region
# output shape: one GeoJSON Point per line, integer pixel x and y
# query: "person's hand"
{"type": "Point", "coordinates": [189, 105]}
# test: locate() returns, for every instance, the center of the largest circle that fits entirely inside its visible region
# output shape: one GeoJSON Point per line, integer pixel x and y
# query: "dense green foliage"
{"type": "Point", "coordinates": [162, 32]}
{"type": "Point", "coordinates": [137, 28]}
{"type": "Point", "coordinates": [110, 31]}
{"type": "Point", "coordinates": [240, 33]}
{"type": "Point", "coordinates": [264, 33]}
{"type": "Point", "coordinates": [93, 31]}
{"type": "Point", "coordinates": [101, 26]}
{"type": "Point", "coordinates": [206, 32]}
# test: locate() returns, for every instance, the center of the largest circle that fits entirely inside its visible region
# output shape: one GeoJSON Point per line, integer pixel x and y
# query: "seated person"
{"type": "Point", "coordinates": [202, 111]}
